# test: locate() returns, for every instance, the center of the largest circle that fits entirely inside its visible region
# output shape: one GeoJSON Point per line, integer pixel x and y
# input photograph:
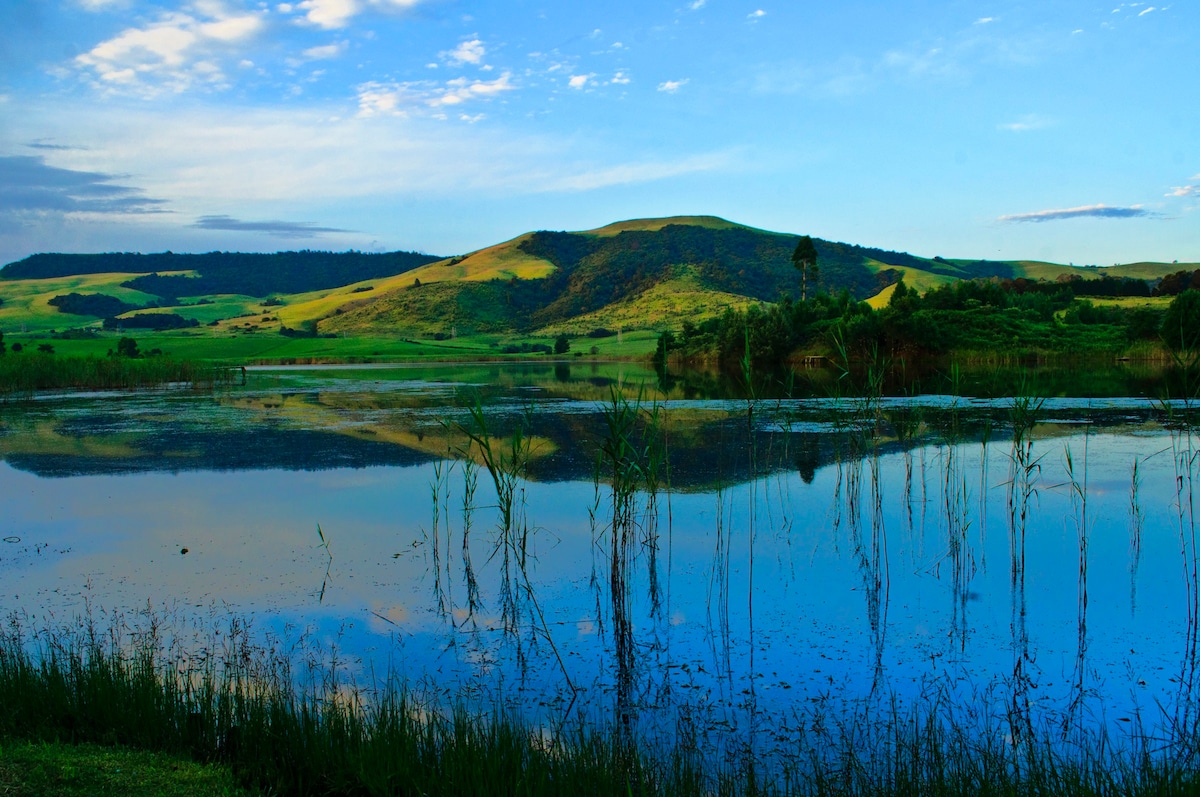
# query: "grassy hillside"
{"type": "Point", "coordinates": [638, 274]}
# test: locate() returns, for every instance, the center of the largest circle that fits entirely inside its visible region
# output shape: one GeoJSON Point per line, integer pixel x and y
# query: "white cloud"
{"type": "Point", "coordinates": [756, 15]}
{"type": "Point", "coordinates": [696, 5]}
{"type": "Point", "coordinates": [1185, 190]}
{"type": "Point", "coordinates": [325, 51]}
{"type": "Point", "coordinates": [329, 14]}
{"type": "Point", "coordinates": [1146, 11]}
{"type": "Point", "coordinates": [578, 81]}
{"type": "Point", "coordinates": [172, 54]}
{"type": "Point", "coordinates": [399, 99]}
{"type": "Point", "coordinates": [620, 78]}
{"type": "Point", "coordinates": [672, 86]}
{"type": "Point", "coordinates": [984, 20]}
{"type": "Point", "coordinates": [218, 160]}
{"type": "Point", "coordinates": [468, 52]}
{"type": "Point", "coordinates": [99, 5]}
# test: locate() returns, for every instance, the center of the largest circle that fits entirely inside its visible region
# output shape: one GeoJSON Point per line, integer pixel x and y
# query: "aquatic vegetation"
{"type": "Point", "coordinates": [22, 375]}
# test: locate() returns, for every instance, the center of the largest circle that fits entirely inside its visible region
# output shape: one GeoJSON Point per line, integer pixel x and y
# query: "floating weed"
{"type": "Point", "coordinates": [328, 562]}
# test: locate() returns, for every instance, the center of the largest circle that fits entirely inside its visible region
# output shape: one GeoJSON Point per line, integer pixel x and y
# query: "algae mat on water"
{"type": "Point", "coordinates": [59, 770]}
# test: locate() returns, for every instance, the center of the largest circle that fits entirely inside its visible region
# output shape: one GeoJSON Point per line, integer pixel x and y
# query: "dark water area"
{"type": "Point", "coordinates": [676, 555]}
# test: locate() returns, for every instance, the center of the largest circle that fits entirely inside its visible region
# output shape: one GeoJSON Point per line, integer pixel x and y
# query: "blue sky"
{"type": "Point", "coordinates": [1065, 131]}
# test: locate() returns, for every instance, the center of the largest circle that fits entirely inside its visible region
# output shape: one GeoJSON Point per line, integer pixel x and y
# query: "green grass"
{"type": "Point", "coordinates": [61, 770]}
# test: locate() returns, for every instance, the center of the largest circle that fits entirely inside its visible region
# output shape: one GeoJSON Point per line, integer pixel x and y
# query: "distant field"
{"type": "Point", "coordinates": [204, 344]}
{"type": "Point", "coordinates": [1159, 302]}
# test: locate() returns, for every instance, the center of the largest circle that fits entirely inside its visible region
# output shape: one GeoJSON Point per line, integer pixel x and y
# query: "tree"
{"type": "Point", "coordinates": [805, 261]}
{"type": "Point", "coordinates": [127, 347]}
{"type": "Point", "coordinates": [1181, 322]}
{"type": "Point", "coordinates": [562, 344]}
{"type": "Point", "coordinates": [2, 346]}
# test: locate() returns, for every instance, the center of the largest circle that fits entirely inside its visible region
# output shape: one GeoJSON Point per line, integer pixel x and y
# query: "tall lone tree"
{"type": "Point", "coordinates": [805, 261]}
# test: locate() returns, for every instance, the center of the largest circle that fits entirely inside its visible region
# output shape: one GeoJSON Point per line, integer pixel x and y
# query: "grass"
{"type": "Point", "coordinates": [38, 769]}
{"type": "Point", "coordinates": [77, 705]}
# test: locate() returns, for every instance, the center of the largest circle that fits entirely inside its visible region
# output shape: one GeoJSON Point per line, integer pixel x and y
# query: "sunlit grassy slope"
{"type": "Point", "coordinates": [26, 302]}
{"type": "Point", "coordinates": [665, 306]}
{"type": "Point", "coordinates": [653, 225]}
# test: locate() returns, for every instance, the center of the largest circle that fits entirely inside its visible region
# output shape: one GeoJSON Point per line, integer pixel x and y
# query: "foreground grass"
{"type": "Point", "coordinates": [76, 707]}
{"type": "Point", "coordinates": [61, 770]}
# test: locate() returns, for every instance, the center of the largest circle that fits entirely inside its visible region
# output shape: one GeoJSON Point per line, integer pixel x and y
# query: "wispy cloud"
{"type": "Point", "coordinates": [31, 185]}
{"type": "Point", "coordinates": [325, 51]}
{"type": "Point", "coordinates": [1146, 11]}
{"type": "Point", "coordinates": [397, 99]}
{"type": "Point", "coordinates": [620, 78]}
{"type": "Point", "coordinates": [578, 81]}
{"type": "Point", "coordinates": [632, 173]}
{"type": "Point", "coordinates": [755, 16]}
{"type": "Point", "coordinates": [672, 86]}
{"type": "Point", "coordinates": [985, 20]}
{"type": "Point", "coordinates": [279, 229]}
{"type": "Point", "coordinates": [53, 147]}
{"type": "Point", "coordinates": [173, 54]}
{"type": "Point", "coordinates": [696, 5]}
{"type": "Point", "coordinates": [1085, 211]}
{"type": "Point", "coordinates": [1026, 123]}
{"type": "Point", "coordinates": [1185, 190]}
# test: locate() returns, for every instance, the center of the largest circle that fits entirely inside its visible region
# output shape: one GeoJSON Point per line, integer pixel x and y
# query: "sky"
{"type": "Point", "coordinates": [1065, 131]}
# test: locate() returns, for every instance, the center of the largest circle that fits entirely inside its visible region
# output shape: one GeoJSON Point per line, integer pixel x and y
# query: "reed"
{"type": "Point", "coordinates": [22, 375]}
{"type": "Point", "coordinates": [243, 705]}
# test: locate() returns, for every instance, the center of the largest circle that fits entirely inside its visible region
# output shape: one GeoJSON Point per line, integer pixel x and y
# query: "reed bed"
{"type": "Point", "coordinates": [242, 706]}
{"type": "Point", "coordinates": [22, 375]}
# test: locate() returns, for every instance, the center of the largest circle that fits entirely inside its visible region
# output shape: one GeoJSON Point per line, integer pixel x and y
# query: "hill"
{"type": "Point", "coordinates": [554, 279]}
{"type": "Point", "coordinates": [649, 274]}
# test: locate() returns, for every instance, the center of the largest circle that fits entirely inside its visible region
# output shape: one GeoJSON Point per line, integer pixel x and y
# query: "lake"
{"type": "Point", "coordinates": [668, 555]}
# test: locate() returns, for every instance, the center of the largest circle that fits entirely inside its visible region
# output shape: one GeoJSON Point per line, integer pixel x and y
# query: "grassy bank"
{"type": "Point", "coordinates": [241, 708]}
{"type": "Point", "coordinates": [37, 769]}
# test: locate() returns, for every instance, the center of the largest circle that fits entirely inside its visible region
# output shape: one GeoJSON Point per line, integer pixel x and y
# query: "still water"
{"type": "Point", "coordinates": [729, 568]}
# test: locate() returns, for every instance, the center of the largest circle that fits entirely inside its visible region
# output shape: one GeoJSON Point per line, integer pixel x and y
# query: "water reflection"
{"type": "Point", "coordinates": [703, 566]}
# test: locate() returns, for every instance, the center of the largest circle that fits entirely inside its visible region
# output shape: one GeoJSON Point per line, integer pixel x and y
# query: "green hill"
{"type": "Point", "coordinates": [553, 279]}
{"type": "Point", "coordinates": [634, 274]}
